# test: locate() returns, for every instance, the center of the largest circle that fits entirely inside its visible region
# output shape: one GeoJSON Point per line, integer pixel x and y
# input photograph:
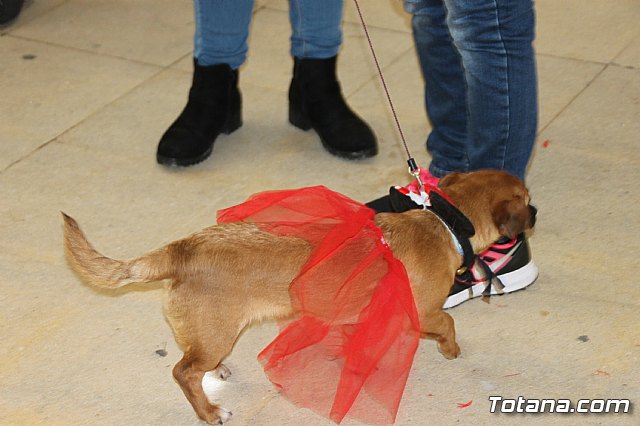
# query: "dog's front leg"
{"type": "Point", "coordinates": [440, 326]}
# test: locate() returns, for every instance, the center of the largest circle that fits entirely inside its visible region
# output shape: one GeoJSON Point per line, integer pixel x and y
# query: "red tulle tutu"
{"type": "Point", "coordinates": [350, 347]}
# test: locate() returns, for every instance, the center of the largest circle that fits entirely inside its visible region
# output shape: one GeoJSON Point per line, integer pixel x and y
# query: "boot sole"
{"type": "Point", "coordinates": [183, 162]}
{"type": "Point", "coordinates": [301, 122]}
{"type": "Point", "coordinates": [234, 124]}
{"type": "Point", "coordinates": [350, 155]}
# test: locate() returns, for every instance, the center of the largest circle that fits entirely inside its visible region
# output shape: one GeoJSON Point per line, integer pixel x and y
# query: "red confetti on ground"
{"type": "Point", "coordinates": [546, 143]}
{"type": "Point", "coordinates": [465, 405]}
{"type": "Point", "coordinates": [429, 394]}
{"type": "Point", "coordinates": [601, 373]}
{"type": "Point", "coordinates": [511, 375]}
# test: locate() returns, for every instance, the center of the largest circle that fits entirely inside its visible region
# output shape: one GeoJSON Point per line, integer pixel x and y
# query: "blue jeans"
{"type": "Point", "coordinates": [479, 68]}
{"type": "Point", "coordinates": [222, 30]}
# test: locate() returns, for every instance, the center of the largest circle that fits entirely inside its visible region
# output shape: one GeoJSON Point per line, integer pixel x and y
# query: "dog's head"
{"type": "Point", "coordinates": [497, 203]}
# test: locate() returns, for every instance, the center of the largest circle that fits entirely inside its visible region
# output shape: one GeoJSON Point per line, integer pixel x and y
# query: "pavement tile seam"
{"type": "Point", "coordinates": [572, 100]}
{"type": "Point", "coordinates": [88, 51]}
{"type": "Point", "coordinates": [59, 138]}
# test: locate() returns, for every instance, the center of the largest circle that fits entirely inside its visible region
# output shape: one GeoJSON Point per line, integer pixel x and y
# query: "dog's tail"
{"type": "Point", "coordinates": [105, 272]}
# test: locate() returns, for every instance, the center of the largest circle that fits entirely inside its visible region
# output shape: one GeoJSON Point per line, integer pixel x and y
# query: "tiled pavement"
{"type": "Point", "coordinates": [88, 87]}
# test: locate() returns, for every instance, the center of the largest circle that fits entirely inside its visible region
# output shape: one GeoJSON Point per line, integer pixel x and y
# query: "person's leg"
{"type": "Point", "coordinates": [480, 82]}
{"type": "Point", "coordinates": [316, 28]}
{"type": "Point", "coordinates": [445, 87]}
{"type": "Point", "coordinates": [214, 104]}
{"type": "Point", "coordinates": [315, 96]}
{"type": "Point", "coordinates": [495, 41]}
{"type": "Point", "coordinates": [222, 30]}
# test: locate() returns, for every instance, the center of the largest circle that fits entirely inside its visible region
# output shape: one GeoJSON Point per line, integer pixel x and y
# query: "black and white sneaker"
{"type": "Point", "coordinates": [504, 267]}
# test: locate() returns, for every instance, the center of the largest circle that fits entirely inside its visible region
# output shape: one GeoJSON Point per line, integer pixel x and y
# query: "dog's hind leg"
{"type": "Point", "coordinates": [440, 326]}
{"type": "Point", "coordinates": [206, 331]}
{"type": "Point", "coordinates": [200, 357]}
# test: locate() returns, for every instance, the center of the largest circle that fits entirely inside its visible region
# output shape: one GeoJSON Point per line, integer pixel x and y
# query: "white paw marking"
{"type": "Point", "coordinates": [211, 383]}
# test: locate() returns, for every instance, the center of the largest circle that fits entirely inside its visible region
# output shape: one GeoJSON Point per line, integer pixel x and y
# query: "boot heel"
{"type": "Point", "coordinates": [298, 119]}
{"type": "Point", "coordinates": [234, 115]}
{"type": "Point", "coordinates": [316, 102]}
{"type": "Point", "coordinates": [234, 122]}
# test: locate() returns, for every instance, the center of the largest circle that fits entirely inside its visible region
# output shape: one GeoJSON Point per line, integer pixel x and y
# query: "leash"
{"type": "Point", "coordinates": [414, 170]}
{"type": "Point", "coordinates": [462, 229]}
{"type": "Point", "coordinates": [454, 220]}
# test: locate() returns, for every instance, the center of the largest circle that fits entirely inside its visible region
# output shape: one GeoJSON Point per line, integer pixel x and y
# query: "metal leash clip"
{"type": "Point", "coordinates": [414, 171]}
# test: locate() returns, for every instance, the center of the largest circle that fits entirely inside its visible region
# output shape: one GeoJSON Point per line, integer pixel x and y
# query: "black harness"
{"type": "Point", "coordinates": [458, 224]}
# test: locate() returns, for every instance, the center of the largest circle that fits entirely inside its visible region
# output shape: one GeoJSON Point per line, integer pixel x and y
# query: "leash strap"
{"type": "Point", "coordinates": [414, 170]}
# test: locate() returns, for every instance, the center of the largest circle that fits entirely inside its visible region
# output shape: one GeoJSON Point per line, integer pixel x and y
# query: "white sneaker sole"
{"type": "Point", "coordinates": [512, 281]}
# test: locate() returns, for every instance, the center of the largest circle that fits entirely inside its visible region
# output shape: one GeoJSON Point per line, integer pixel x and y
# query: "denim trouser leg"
{"type": "Point", "coordinates": [316, 28]}
{"type": "Point", "coordinates": [222, 30]}
{"type": "Point", "coordinates": [445, 87]}
{"type": "Point", "coordinates": [480, 77]}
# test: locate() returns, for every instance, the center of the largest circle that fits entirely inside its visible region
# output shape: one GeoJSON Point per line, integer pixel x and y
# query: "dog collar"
{"type": "Point", "coordinates": [458, 225]}
{"type": "Point", "coordinates": [455, 239]}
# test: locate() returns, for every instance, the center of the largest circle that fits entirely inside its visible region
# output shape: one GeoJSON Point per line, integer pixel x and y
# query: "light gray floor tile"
{"type": "Point", "coordinates": [131, 126]}
{"type": "Point", "coordinates": [47, 90]}
{"type": "Point", "coordinates": [82, 346]}
{"type": "Point", "coordinates": [560, 81]}
{"type": "Point", "coordinates": [82, 181]}
{"type": "Point", "coordinates": [31, 9]}
{"type": "Point", "coordinates": [116, 28]}
{"type": "Point", "coordinates": [585, 216]}
{"type": "Point", "coordinates": [630, 56]}
{"type": "Point", "coordinates": [603, 119]}
{"type": "Point", "coordinates": [591, 30]}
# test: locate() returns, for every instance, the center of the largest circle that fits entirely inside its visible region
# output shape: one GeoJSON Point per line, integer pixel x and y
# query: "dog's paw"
{"type": "Point", "coordinates": [222, 372]}
{"type": "Point", "coordinates": [223, 416]}
{"type": "Point", "coordinates": [216, 415]}
{"type": "Point", "coordinates": [449, 351]}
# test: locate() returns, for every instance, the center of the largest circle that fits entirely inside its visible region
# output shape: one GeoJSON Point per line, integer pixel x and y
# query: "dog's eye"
{"type": "Point", "coordinates": [525, 198]}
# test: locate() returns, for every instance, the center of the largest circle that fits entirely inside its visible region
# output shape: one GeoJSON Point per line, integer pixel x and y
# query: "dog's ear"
{"type": "Point", "coordinates": [511, 218]}
{"type": "Point", "coordinates": [449, 179]}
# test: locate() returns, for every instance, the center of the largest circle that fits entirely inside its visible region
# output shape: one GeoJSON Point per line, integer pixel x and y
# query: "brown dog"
{"type": "Point", "coordinates": [226, 277]}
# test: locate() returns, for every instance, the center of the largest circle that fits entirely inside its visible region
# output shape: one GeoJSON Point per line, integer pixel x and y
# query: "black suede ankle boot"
{"type": "Point", "coordinates": [316, 102]}
{"type": "Point", "coordinates": [213, 107]}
